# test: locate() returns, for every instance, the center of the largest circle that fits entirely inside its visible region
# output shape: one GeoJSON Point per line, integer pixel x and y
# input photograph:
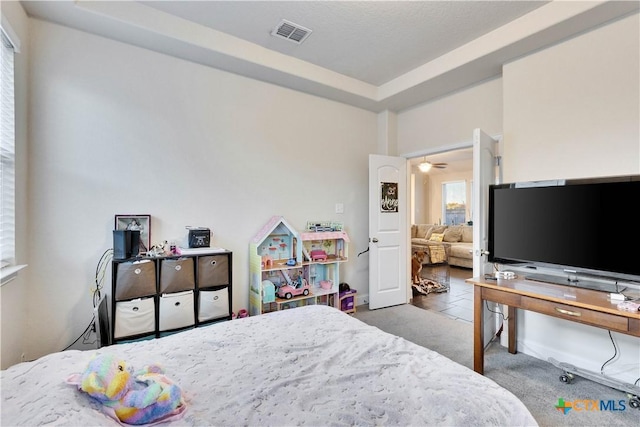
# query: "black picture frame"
{"type": "Point", "coordinates": [136, 222]}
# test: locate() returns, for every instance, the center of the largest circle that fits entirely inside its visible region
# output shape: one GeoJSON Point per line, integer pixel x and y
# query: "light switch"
{"type": "Point", "coordinates": [339, 208]}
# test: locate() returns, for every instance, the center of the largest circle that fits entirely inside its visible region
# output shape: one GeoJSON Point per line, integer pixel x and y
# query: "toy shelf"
{"type": "Point", "coordinates": [283, 260]}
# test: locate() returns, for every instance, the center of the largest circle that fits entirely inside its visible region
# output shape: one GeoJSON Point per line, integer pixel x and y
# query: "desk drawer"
{"type": "Point", "coordinates": [501, 297]}
{"type": "Point", "coordinates": [577, 314]}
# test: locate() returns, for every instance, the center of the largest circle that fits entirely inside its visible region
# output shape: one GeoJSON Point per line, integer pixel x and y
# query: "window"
{"type": "Point", "coordinates": [454, 205]}
{"type": "Point", "coordinates": [7, 154]}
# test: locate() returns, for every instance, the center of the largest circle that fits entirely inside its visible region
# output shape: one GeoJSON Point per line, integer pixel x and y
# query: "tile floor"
{"type": "Point", "coordinates": [457, 303]}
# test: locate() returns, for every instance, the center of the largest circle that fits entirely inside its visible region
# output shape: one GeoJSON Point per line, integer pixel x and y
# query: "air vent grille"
{"type": "Point", "coordinates": [290, 31]}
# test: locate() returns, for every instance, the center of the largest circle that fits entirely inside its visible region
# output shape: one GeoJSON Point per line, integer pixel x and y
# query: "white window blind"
{"type": "Point", "coordinates": [7, 155]}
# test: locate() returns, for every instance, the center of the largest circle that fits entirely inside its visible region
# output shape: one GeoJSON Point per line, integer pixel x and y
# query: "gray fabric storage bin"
{"type": "Point", "coordinates": [177, 275]}
{"type": "Point", "coordinates": [135, 279]}
{"type": "Point", "coordinates": [213, 270]}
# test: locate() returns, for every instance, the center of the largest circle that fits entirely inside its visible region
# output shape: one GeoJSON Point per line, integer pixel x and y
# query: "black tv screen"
{"type": "Point", "coordinates": [588, 226]}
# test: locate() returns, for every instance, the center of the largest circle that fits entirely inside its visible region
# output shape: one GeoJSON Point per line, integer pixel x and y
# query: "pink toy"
{"type": "Point", "coordinates": [301, 287]}
{"type": "Point", "coordinates": [318, 255]}
{"type": "Point", "coordinates": [267, 261]}
{"type": "Point", "coordinates": [326, 284]}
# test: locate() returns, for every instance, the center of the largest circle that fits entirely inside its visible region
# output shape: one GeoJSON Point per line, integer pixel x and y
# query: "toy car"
{"type": "Point", "coordinates": [318, 255]}
{"type": "Point", "coordinates": [299, 287]}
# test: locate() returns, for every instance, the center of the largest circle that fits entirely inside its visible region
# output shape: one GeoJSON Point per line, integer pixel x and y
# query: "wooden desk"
{"type": "Point", "coordinates": [565, 302]}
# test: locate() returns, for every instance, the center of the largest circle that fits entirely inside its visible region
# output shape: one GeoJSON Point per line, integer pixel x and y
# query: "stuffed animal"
{"type": "Point", "coordinates": [144, 397]}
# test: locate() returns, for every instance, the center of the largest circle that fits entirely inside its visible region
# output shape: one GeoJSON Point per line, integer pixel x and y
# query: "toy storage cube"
{"type": "Point", "coordinates": [213, 270]}
{"type": "Point", "coordinates": [213, 304]}
{"type": "Point", "coordinates": [135, 279]}
{"type": "Point", "coordinates": [177, 275]}
{"type": "Point", "coordinates": [135, 317]}
{"type": "Point", "coordinates": [176, 310]}
{"type": "Point", "coordinates": [348, 301]}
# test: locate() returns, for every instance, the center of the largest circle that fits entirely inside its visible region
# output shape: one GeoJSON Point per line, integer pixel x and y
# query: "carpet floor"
{"type": "Point", "coordinates": [535, 382]}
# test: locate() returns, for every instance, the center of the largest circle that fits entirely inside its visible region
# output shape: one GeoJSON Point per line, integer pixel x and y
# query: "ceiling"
{"type": "Point", "coordinates": [376, 55]}
{"type": "Point", "coordinates": [458, 161]}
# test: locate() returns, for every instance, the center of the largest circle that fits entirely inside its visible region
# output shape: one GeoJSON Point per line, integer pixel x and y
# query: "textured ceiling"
{"type": "Point", "coordinates": [372, 41]}
{"type": "Point", "coordinates": [376, 55]}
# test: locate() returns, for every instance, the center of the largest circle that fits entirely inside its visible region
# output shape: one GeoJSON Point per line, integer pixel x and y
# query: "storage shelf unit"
{"type": "Point", "coordinates": [279, 255]}
{"type": "Point", "coordinates": [152, 297]}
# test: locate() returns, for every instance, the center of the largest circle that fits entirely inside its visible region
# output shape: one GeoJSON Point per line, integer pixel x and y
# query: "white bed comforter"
{"type": "Point", "coordinates": [313, 366]}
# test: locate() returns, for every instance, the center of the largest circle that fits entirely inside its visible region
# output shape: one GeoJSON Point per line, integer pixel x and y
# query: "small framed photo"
{"type": "Point", "coordinates": [141, 223]}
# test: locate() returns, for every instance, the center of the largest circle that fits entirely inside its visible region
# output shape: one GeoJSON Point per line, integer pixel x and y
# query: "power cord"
{"type": "Point", "coordinates": [504, 319]}
{"type": "Point", "coordinates": [101, 270]}
{"type": "Point", "coordinates": [615, 348]}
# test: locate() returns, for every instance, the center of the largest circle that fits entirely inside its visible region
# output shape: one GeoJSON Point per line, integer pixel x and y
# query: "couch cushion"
{"type": "Point", "coordinates": [452, 234]}
{"type": "Point", "coordinates": [423, 231]}
{"type": "Point", "coordinates": [460, 250]}
{"type": "Point", "coordinates": [467, 234]}
{"type": "Point", "coordinates": [436, 237]}
{"type": "Point", "coordinates": [414, 231]}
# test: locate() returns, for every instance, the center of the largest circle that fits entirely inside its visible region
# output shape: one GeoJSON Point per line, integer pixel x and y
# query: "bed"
{"type": "Point", "coordinates": [312, 365]}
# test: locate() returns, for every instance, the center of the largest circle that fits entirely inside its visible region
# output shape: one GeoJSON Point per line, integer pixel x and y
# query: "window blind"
{"type": "Point", "coordinates": [7, 154]}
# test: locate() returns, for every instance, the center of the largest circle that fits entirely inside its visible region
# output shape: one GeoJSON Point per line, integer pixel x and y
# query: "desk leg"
{"type": "Point", "coordinates": [512, 330]}
{"type": "Point", "coordinates": [478, 331]}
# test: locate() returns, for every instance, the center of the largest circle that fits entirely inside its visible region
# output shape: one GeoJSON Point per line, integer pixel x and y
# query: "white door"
{"type": "Point", "coordinates": [388, 231]}
{"type": "Point", "coordinates": [484, 173]}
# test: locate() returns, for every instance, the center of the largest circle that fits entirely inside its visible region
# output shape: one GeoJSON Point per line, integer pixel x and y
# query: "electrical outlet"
{"type": "Point", "coordinates": [23, 357]}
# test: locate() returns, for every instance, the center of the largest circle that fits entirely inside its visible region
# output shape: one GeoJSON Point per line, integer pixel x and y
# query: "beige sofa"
{"type": "Point", "coordinates": [456, 245]}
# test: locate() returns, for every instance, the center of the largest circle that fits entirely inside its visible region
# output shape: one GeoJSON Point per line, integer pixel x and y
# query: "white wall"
{"type": "Point", "coordinates": [118, 129]}
{"type": "Point", "coordinates": [450, 121]}
{"type": "Point", "coordinates": [573, 111]}
{"type": "Point", "coordinates": [13, 295]}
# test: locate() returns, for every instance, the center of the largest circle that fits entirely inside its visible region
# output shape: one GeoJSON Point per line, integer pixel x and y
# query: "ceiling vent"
{"type": "Point", "coordinates": [290, 31]}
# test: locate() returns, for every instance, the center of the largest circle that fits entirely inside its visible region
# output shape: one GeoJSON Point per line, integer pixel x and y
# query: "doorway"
{"type": "Point", "coordinates": [425, 193]}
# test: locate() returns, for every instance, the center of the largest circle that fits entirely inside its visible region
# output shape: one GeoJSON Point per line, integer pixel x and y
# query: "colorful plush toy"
{"type": "Point", "coordinates": [144, 397]}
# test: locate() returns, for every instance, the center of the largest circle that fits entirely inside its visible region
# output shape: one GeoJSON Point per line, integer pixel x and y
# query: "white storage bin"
{"type": "Point", "coordinates": [176, 310]}
{"type": "Point", "coordinates": [213, 304]}
{"type": "Point", "coordinates": [135, 317]}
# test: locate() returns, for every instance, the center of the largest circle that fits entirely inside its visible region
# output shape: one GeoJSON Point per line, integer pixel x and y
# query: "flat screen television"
{"type": "Point", "coordinates": [585, 229]}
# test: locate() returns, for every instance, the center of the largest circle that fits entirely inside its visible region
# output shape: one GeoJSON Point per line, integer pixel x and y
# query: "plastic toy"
{"type": "Point", "coordinates": [268, 291]}
{"type": "Point", "coordinates": [267, 261]}
{"type": "Point", "coordinates": [326, 284]}
{"type": "Point", "coordinates": [318, 255]}
{"type": "Point", "coordinates": [299, 287]}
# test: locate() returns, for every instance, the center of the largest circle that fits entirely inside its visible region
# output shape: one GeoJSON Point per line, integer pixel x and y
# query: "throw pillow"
{"type": "Point", "coordinates": [427, 234]}
{"type": "Point", "coordinates": [436, 237]}
{"type": "Point", "coordinates": [452, 234]}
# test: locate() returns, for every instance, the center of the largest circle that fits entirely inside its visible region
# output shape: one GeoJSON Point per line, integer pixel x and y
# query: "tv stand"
{"type": "Point", "coordinates": [574, 281]}
{"type": "Point", "coordinates": [570, 303]}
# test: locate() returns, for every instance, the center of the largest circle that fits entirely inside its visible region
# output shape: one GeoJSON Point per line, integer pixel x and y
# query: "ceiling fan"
{"type": "Point", "coordinates": [426, 166]}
